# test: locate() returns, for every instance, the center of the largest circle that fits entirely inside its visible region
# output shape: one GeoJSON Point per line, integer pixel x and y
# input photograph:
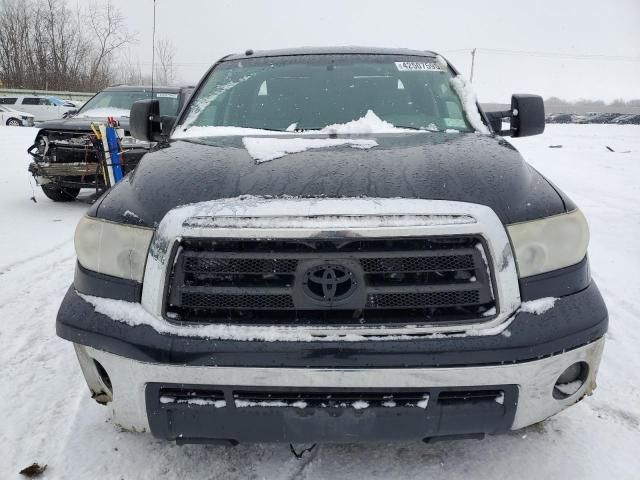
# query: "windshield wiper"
{"type": "Point", "coordinates": [267, 129]}
{"type": "Point", "coordinates": [421, 129]}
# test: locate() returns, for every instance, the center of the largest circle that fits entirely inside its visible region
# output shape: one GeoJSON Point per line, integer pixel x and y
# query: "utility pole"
{"type": "Point", "coordinates": [153, 47]}
{"type": "Point", "coordinates": [473, 63]}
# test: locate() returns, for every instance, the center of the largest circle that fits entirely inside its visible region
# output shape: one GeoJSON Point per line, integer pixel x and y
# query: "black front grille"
{"type": "Point", "coordinates": [394, 281]}
{"type": "Point", "coordinates": [204, 265]}
{"type": "Point", "coordinates": [216, 301]}
{"type": "Point", "coordinates": [417, 264]}
{"type": "Point", "coordinates": [434, 299]}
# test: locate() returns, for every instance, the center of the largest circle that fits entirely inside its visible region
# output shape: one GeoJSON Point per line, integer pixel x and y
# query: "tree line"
{"type": "Point", "coordinates": [593, 104]}
{"type": "Point", "coordinates": [46, 45]}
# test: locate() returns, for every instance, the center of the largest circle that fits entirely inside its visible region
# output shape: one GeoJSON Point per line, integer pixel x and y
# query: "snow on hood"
{"type": "Point", "coordinates": [328, 213]}
{"type": "Point", "coordinates": [104, 113]}
{"type": "Point", "coordinates": [370, 123]}
{"type": "Point", "coordinates": [265, 149]}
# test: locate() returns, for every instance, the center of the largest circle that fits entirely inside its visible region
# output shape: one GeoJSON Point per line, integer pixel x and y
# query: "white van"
{"type": "Point", "coordinates": [42, 108]}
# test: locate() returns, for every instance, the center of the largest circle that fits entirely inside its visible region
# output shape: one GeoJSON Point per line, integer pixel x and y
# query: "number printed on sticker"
{"type": "Point", "coordinates": [418, 67]}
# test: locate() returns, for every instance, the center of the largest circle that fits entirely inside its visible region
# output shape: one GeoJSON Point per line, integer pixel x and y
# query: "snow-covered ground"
{"type": "Point", "coordinates": [48, 417]}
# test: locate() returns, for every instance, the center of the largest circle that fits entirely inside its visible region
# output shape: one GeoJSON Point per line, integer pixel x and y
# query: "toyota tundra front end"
{"type": "Point", "coordinates": [335, 245]}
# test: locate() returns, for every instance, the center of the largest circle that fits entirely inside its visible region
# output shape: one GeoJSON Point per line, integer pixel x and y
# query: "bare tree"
{"type": "Point", "coordinates": [129, 69]}
{"type": "Point", "coordinates": [15, 25]}
{"type": "Point", "coordinates": [46, 45]}
{"type": "Point", "coordinates": [165, 70]}
{"type": "Point", "coordinates": [108, 28]}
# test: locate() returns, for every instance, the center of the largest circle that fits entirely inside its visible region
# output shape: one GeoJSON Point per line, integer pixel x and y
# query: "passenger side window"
{"type": "Point", "coordinates": [45, 101]}
{"type": "Point", "coordinates": [30, 101]}
{"type": "Point", "coordinates": [8, 101]}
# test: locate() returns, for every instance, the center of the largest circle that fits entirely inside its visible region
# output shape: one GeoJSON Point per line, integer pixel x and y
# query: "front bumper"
{"type": "Point", "coordinates": [574, 321]}
{"type": "Point", "coordinates": [129, 365]}
{"type": "Point", "coordinates": [134, 388]}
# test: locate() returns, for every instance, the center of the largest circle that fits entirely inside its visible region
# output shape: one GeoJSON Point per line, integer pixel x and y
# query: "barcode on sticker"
{"type": "Point", "coordinates": [167, 95]}
{"type": "Point", "coordinates": [418, 67]}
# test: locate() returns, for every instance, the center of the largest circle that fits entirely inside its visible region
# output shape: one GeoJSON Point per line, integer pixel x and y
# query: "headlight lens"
{"type": "Point", "coordinates": [112, 248]}
{"type": "Point", "coordinates": [549, 243]}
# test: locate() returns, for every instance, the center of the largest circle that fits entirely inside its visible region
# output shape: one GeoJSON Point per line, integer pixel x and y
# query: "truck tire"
{"type": "Point", "coordinates": [14, 122]}
{"type": "Point", "coordinates": [60, 194]}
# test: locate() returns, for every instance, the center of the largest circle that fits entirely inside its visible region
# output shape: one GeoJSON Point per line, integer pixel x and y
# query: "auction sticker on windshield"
{"type": "Point", "coordinates": [418, 67]}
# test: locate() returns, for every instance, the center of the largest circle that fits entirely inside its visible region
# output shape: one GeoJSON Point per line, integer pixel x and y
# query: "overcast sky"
{"type": "Point", "coordinates": [595, 44]}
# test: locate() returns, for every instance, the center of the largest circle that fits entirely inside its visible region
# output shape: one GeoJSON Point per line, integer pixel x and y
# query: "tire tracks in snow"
{"type": "Point", "coordinates": [38, 366]}
{"type": "Point", "coordinates": [12, 266]}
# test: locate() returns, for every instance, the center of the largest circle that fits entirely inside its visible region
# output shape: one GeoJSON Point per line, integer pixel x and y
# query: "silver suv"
{"type": "Point", "coordinates": [41, 107]}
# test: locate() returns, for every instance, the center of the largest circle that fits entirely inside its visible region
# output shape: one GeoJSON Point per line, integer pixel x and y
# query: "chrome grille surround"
{"type": "Point", "coordinates": [266, 218]}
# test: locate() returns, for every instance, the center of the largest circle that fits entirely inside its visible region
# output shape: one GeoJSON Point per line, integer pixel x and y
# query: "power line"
{"type": "Point", "coordinates": [524, 53]}
{"type": "Point", "coordinates": [573, 56]}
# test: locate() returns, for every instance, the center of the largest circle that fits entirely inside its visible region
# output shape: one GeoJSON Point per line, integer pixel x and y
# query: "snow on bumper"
{"type": "Point", "coordinates": [128, 380]}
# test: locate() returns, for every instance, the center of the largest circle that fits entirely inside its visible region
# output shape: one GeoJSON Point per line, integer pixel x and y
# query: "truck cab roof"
{"type": "Point", "coordinates": [346, 50]}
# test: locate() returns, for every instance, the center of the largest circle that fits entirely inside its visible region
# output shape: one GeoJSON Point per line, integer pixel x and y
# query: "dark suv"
{"type": "Point", "coordinates": [334, 245]}
{"type": "Point", "coordinates": [65, 157]}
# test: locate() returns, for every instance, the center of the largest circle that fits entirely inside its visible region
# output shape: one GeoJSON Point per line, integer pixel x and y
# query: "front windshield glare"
{"type": "Point", "coordinates": [309, 92]}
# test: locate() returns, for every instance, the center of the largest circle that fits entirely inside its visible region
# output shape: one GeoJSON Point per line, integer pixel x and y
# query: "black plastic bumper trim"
{"type": "Point", "coordinates": [467, 415]}
{"type": "Point", "coordinates": [574, 321]}
{"type": "Point", "coordinates": [101, 285]}
{"type": "Point", "coordinates": [557, 283]}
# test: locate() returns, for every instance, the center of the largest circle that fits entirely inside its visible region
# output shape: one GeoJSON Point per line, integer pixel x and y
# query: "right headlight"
{"type": "Point", "coordinates": [549, 243]}
{"type": "Point", "coordinates": [112, 248]}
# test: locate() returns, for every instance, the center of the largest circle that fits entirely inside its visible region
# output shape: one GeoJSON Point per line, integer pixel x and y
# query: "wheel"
{"type": "Point", "coordinates": [60, 194]}
{"type": "Point", "coordinates": [14, 122]}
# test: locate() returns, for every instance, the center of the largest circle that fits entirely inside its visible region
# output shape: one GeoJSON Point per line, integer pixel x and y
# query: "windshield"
{"type": "Point", "coordinates": [117, 103]}
{"type": "Point", "coordinates": [56, 101]}
{"type": "Point", "coordinates": [309, 92]}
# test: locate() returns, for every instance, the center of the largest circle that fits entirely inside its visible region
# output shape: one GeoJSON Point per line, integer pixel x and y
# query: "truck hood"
{"type": "Point", "coordinates": [472, 168]}
{"type": "Point", "coordinates": [78, 124]}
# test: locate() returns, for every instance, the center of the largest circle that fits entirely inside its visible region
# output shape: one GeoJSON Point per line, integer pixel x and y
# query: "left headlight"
{"type": "Point", "coordinates": [112, 248]}
{"type": "Point", "coordinates": [549, 243]}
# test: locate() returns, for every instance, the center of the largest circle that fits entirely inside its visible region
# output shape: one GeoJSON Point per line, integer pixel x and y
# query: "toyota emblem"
{"type": "Point", "coordinates": [329, 283]}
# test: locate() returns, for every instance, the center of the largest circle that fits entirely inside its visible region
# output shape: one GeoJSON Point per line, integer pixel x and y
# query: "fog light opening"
{"type": "Point", "coordinates": [104, 376]}
{"type": "Point", "coordinates": [570, 381]}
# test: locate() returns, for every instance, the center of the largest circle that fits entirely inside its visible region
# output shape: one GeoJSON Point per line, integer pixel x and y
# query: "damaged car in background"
{"type": "Point", "coordinates": [334, 245]}
{"type": "Point", "coordinates": [67, 153]}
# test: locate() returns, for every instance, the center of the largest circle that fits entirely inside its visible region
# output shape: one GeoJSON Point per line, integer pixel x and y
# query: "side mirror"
{"type": "Point", "coordinates": [70, 113]}
{"type": "Point", "coordinates": [526, 116]}
{"type": "Point", "coordinates": [145, 122]}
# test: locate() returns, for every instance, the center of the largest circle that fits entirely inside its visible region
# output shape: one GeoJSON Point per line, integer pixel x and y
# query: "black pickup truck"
{"type": "Point", "coordinates": [66, 157]}
{"type": "Point", "coordinates": [334, 245]}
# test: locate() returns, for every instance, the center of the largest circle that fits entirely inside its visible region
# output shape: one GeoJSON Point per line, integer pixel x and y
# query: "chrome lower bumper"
{"type": "Point", "coordinates": [535, 380]}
